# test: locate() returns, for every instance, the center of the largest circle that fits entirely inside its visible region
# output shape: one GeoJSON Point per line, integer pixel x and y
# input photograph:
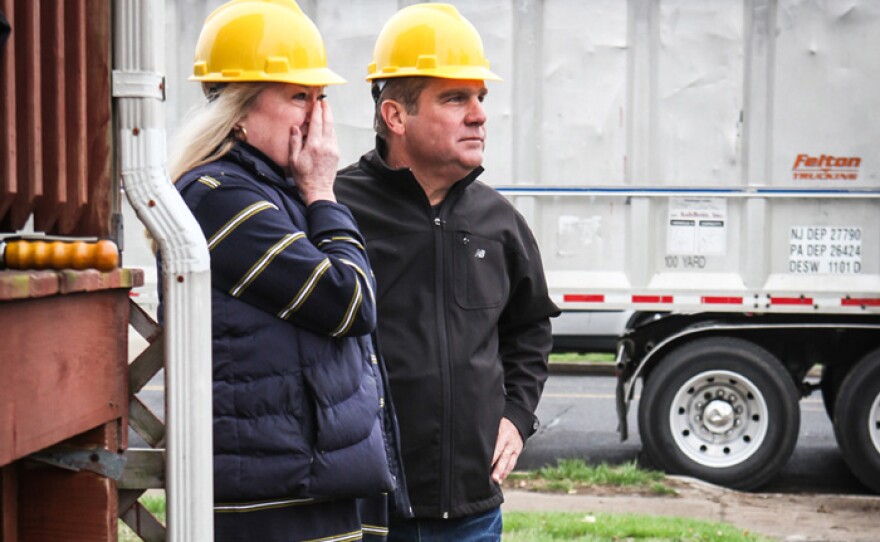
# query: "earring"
{"type": "Point", "coordinates": [239, 132]}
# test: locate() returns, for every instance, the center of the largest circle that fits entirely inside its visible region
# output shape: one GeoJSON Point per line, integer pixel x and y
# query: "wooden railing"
{"type": "Point", "coordinates": [55, 122]}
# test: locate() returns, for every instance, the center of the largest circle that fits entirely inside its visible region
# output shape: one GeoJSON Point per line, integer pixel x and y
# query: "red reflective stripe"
{"type": "Point", "coordinates": [791, 300]}
{"type": "Point", "coordinates": [652, 299]}
{"type": "Point", "coordinates": [584, 298]}
{"type": "Point", "coordinates": [721, 300]}
{"type": "Point", "coordinates": [857, 302]}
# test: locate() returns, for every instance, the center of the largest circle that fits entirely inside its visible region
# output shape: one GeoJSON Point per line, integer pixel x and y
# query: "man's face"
{"type": "Point", "coordinates": [447, 135]}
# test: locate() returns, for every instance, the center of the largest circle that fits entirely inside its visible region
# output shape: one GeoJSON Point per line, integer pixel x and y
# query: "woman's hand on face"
{"type": "Point", "coordinates": [314, 159]}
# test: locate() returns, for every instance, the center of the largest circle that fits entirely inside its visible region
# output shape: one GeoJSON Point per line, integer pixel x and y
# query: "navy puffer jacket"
{"type": "Point", "coordinates": [299, 394]}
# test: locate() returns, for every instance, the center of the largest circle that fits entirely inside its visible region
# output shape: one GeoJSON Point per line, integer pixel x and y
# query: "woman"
{"type": "Point", "coordinates": [302, 427]}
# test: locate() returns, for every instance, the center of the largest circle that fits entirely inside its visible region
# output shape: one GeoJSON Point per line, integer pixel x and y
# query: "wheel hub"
{"type": "Point", "coordinates": [718, 416]}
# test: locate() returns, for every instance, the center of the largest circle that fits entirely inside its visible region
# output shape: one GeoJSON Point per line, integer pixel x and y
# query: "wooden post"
{"type": "Point", "coordinates": [60, 505]}
{"type": "Point", "coordinates": [8, 504]}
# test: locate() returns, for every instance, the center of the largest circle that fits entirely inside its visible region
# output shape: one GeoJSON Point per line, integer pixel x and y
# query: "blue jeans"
{"type": "Point", "coordinates": [482, 527]}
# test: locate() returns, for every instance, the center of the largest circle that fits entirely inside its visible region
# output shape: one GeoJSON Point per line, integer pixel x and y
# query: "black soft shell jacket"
{"type": "Point", "coordinates": [464, 323]}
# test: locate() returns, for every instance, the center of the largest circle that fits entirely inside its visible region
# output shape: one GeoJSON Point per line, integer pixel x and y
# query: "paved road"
{"type": "Point", "coordinates": [579, 421]}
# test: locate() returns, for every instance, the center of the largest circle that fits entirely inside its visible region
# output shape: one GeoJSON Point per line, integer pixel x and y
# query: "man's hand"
{"type": "Point", "coordinates": [507, 449]}
{"type": "Point", "coordinates": [314, 156]}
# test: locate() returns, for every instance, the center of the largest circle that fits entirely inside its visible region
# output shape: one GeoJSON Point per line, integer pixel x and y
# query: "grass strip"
{"type": "Point", "coordinates": [569, 474]}
{"type": "Point", "coordinates": [574, 357]}
{"type": "Point", "coordinates": [588, 527]}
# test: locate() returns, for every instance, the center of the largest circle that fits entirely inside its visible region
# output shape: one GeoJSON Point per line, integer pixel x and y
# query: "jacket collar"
{"type": "Point", "coordinates": [259, 164]}
{"type": "Point", "coordinates": [375, 161]}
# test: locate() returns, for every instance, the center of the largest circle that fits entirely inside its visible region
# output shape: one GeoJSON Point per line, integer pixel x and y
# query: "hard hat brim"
{"type": "Point", "coordinates": [466, 73]}
{"type": "Point", "coordinates": [312, 77]}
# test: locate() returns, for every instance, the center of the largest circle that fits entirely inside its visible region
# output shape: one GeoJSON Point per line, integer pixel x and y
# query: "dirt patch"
{"type": "Point", "coordinates": [798, 517]}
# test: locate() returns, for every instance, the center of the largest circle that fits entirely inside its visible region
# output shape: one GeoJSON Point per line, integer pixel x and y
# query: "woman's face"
{"type": "Point", "coordinates": [277, 110]}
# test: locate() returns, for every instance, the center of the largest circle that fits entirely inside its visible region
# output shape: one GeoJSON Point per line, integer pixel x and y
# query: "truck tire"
{"type": "Point", "coordinates": [857, 420]}
{"type": "Point", "coordinates": [720, 409]}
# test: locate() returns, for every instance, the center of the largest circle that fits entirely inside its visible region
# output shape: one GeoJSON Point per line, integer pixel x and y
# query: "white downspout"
{"type": "Point", "coordinates": [138, 87]}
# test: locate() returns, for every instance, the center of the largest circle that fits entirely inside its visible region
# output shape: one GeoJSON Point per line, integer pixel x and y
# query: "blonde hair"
{"type": "Point", "coordinates": [207, 133]}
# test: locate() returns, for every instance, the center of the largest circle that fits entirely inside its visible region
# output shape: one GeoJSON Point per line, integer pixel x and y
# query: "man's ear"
{"type": "Point", "coordinates": [394, 115]}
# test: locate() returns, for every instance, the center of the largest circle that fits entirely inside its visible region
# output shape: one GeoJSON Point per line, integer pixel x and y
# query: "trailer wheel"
{"type": "Point", "coordinates": [857, 420]}
{"type": "Point", "coordinates": [721, 409]}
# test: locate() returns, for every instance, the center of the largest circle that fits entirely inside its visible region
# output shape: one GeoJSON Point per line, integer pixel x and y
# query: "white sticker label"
{"type": "Point", "coordinates": [825, 250]}
{"type": "Point", "coordinates": [574, 234]}
{"type": "Point", "coordinates": [697, 226]}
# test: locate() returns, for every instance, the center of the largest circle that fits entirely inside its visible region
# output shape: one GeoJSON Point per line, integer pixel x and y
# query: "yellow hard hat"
{"type": "Point", "coordinates": [431, 40]}
{"type": "Point", "coordinates": [261, 40]}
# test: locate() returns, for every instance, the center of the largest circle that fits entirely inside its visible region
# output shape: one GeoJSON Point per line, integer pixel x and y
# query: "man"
{"type": "Point", "coordinates": [464, 314]}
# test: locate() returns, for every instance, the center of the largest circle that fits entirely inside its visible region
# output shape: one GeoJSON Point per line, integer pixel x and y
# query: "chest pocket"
{"type": "Point", "coordinates": [480, 272]}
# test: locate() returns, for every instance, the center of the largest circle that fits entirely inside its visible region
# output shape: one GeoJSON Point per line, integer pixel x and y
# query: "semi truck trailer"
{"type": "Point", "coordinates": [741, 224]}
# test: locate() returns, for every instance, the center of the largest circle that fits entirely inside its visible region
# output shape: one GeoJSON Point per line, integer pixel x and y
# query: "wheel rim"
{"type": "Point", "coordinates": [874, 423]}
{"type": "Point", "coordinates": [719, 418]}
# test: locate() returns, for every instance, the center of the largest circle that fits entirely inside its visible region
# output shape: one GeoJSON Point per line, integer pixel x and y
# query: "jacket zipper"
{"type": "Point", "coordinates": [445, 368]}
